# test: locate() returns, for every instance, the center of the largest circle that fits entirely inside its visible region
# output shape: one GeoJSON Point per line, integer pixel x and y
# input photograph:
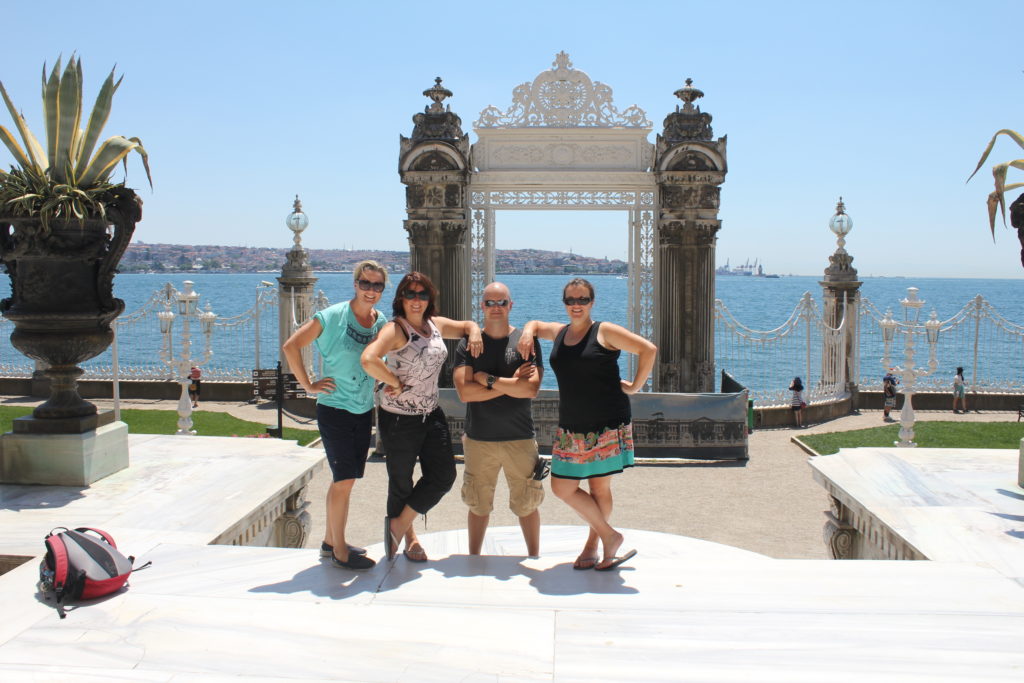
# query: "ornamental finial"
{"type": "Point", "coordinates": [688, 94]}
{"type": "Point", "coordinates": [297, 205]}
{"type": "Point", "coordinates": [438, 93]}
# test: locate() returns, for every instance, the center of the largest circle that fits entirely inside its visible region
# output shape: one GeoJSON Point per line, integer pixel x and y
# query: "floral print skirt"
{"type": "Point", "coordinates": [577, 455]}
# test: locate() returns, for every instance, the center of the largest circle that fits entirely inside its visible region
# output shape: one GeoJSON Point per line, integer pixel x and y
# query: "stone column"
{"type": "Point", "coordinates": [434, 166]}
{"type": "Point", "coordinates": [295, 289]}
{"type": "Point", "coordinates": [689, 168]}
{"type": "Point", "coordinates": [841, 285]}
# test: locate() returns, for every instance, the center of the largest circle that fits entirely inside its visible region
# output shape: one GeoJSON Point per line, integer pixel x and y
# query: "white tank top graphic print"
{"type": "Point", "coordinates": [417, 365]}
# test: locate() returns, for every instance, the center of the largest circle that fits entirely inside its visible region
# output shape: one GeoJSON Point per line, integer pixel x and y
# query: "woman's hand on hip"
{"type": "Point", "coordinates": [324, 385]}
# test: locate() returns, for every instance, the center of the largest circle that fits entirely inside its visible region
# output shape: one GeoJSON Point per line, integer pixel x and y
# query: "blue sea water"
{"type": "Point", "coordinates": [758, 303]}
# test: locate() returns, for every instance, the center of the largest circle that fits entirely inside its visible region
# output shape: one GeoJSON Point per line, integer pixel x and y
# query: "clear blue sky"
{"type": "Point", "coordinates": [241, 105]}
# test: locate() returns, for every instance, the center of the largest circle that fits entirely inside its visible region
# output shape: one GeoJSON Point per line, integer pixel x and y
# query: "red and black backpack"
{"type": "Point", "coordinates": [82, 564]}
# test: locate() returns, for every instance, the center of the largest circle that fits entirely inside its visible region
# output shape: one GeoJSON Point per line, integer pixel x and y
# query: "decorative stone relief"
{"type": "Point", "coordinates": [693, 161]}
{"type": "Point", "coordinates": [562, 97]}
{"type": "Point", "coordinates": [293, 526]}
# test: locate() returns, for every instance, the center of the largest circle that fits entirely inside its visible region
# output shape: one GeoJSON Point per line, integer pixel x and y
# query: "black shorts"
{"type": "Point", "coordinates": [346, 439]}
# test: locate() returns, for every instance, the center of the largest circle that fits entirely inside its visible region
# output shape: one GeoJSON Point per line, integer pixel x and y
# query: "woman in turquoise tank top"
{"type": "Point", "coordinates": [595, 433]}
{"type": "Point", "coordinates": [344, 398]}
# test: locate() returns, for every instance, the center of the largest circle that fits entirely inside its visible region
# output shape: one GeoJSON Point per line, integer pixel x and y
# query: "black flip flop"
{"type": "Point", "coordinates": [616, 561]}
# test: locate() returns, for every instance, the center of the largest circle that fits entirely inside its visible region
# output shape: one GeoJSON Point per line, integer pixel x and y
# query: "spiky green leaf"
{"type": "Point", "coordinates": [69, 109]}
{"type": "Point", "coordinates": [1013, 135]}
{"type": "Point", "coordinates": [145, 160]}
{"type": "Point", "coordinates": [97, 120]}
{"type": "Point", "coordinates": [32, 146]}
{"type": "Point", "coordinates": [16, 151]}
{"type": "Point", "coordinates": [51, 113]}
{"type": "Point", "coordinates": [110, 152]}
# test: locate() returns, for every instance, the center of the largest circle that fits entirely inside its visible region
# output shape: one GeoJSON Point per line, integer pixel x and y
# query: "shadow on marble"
{"type": "Point", "coordinates": [17, 497]}
{"type": "Point", "coordinates": [1011, 494]}
{"type": "Point", "coordinates": [318, 580]}
{"type": "Point", "coordinates": [558, 580]}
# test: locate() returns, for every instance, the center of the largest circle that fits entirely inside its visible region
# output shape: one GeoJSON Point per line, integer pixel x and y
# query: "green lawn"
{"type": "Point", "coordinates": [166, 422]}
{"type": "Point", "coordinates": [926, 435]}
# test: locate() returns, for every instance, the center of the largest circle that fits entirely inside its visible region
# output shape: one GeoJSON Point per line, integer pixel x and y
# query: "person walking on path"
{"type": "Point", "coordinates": [959, 390]}
{"type": "Point", "coordinates": [797, 403]}
{"type": "Point", "coordinates": [595, 432]}
{"type": "Point", "coordinates": [496, 388]}
{"type": "Point", "coordinates": [889, 383]}
{"type": "Point", "coordinates": [344, 398]}
{"type": "Point", "coordinates": [410, 420]}
{"type": "Point", "coordinates": [196, 376]}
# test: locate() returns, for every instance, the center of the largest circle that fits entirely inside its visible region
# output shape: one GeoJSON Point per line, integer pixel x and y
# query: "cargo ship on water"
{"type": "Point", "coordinates": [748, 269]}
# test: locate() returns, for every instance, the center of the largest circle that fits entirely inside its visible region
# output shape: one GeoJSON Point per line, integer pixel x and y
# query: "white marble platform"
{"type": "Point", "coordinates": [188, 489]}
{"type": "Point", "coordinates": [683, 609]}
{"type": "Point", "coordinates": [947, 505]}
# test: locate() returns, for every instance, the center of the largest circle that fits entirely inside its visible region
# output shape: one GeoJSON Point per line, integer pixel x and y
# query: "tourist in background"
{"type": "Point", "coordinates": [344, 398]}
{"type": "Point", "coordinates": [959, 390]}
{"type": "Point", "coordinates": [595, 432]}
{"type": "Point", "coordinates": [195, 375]}
{"type": "Point", "coordinates": [409, 418]}
{"type": "Point", "coordinates": [889, 383]}
{"type": "Point", "coordinates": [797, 403]}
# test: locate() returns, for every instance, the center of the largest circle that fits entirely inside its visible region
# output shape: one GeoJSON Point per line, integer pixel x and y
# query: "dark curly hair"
{"type": "Point", "coordinates": [420, 279]}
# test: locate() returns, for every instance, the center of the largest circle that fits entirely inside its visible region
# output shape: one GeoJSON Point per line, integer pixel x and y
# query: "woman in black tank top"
{"type": "Point", "coordinates": [595, 435]}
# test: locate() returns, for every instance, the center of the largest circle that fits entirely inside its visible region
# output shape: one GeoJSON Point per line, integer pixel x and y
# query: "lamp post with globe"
{"type": "Point", "coordinates": [187, 302]}
{"type": "Point", "coordinates": [295, 290]}
{"type": "Point", "coordinates": [908, 374]}
{"type": "Point", "coordinates": [841, 306]}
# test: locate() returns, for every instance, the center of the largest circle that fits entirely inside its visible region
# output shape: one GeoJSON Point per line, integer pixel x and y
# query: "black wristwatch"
{"type": "Point", "coordinates": [491, 379]}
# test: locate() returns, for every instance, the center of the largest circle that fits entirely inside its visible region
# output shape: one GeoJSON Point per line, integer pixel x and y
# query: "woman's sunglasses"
{"type": "Point", "coordinates": [577, 300]}
{"type": "Point", "coordinates": [422, 295]}
{"type": "Point", "coordinates": [366, 285]}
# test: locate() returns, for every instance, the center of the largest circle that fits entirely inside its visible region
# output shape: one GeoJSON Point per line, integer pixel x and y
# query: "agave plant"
{"type": "Point", "coordinates": [997, 199]}
{"type": "Point", "coordinates": [66, 179]}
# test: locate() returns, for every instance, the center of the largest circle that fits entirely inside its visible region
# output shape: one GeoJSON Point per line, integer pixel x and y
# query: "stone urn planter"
{"type": "Point", "coordinates": [62, 302]}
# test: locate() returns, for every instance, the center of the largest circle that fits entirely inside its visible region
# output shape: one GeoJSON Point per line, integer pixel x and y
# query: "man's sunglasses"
{"type": "Point", "coordinates": [491, 303]}
{"type": "Point", "coordinates": [577, 301]}
{"type": "Point", "coordinates": [422, 295]}
{"type": "Point", "coordinates": [366, 285]}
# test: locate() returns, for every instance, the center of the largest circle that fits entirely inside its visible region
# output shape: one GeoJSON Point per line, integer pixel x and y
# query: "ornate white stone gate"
{"type": "Point", "coordinates": [562, 144]}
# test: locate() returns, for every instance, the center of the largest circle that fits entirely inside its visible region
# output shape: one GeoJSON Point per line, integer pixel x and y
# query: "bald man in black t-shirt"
{"type": "Point", "coordinates": [497, 388]}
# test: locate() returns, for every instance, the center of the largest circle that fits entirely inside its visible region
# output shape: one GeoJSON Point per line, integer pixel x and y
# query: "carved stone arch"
{"type": "Point", "coordinates": [692, 157]}
{"type": "Point", "coordinates": [433, 156]}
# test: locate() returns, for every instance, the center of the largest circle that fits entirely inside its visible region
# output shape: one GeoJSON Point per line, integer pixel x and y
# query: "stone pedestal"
{"type": "Point", "coordinates": [63, 459]}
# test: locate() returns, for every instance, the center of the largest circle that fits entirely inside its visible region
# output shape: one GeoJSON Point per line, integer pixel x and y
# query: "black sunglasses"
{"type": "Point", "coordinates": [366, 285]}
{"type": "Point", "coordinates": [422, 295]}
{"type": "Point", "coordinates": [577, 301]}
{"type": "Point", "coordinates": [490, 303]}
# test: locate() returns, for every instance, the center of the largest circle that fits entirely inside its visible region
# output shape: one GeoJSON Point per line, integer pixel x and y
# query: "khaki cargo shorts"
{"type": "Point", "coordinates": [484, 459]}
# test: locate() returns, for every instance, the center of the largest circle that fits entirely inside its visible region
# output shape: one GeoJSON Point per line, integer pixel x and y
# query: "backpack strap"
{"type": "Point", "coordinates": [59, 551]}
{"type": "Point", "coordinates": [103, 534]}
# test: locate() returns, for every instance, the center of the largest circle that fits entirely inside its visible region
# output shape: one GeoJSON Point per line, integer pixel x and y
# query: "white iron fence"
{"type": "Point", "coordinates": [989, 347]}
{"type": "Point", "coordinates": [767, 361]}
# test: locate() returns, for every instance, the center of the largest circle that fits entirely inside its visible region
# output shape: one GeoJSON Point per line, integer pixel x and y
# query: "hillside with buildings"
{"type": "Point", "coordinates": [184, 258]}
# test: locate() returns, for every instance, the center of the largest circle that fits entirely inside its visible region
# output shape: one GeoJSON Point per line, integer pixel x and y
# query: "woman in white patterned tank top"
{"type": "Point", "coordinates": [409, 419]}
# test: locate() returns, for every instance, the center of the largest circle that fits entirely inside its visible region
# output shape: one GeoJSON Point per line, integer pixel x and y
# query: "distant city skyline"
{"type": "Point", "coordinates": [243, 105]}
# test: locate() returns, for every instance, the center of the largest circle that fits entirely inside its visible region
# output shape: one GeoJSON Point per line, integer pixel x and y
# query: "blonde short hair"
{"type": "Point", "coordinates": [369, 265]}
